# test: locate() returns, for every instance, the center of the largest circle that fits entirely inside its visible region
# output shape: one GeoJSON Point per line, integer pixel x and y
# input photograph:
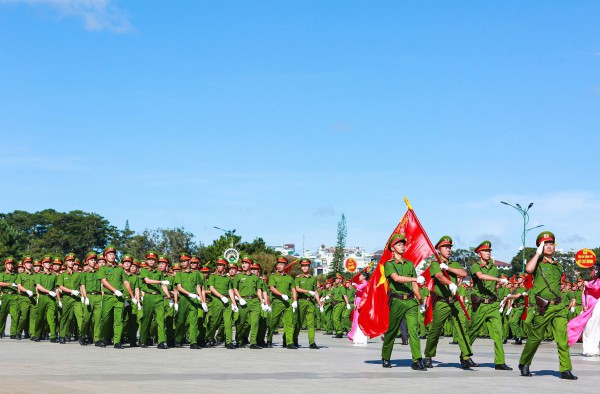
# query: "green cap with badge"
{"type": "Point", "coordinates": [446, 240]}
{"type": "Point", "coordinates": [485, 245]}
{"type": "Point", "coordinates": [545, 236]}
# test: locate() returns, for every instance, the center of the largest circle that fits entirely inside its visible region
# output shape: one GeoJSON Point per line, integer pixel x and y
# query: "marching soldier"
{"type": "Point", "coordinates": [283, 304]}
{"type": "Point", "coordinates": [45, 284]}
{"type": "Point", "coordinates": [190, 286]}
{"type": "Point", "coordinates": [404, 301]}
{"type": "Point", "coordinates": [154, 286]}
{"type": "Point", "coordinates": [219, 284]}
{"type": "Point", "coordinates": [547, 273]}
{"type": "Point", "coordinates": [339, 301]}
{"type": "Point", "coordinates": [485, 304]}
{"type": "Point", "coordinates": [306, 289]}
{"type": "Point", "coordinates": [247, 289]}
{"type": "Point", "coordinates": [69, 284]}
{"type": "Point", "coordinates": [91, 290]}
{"type": "Point", "coordinates": [9, 299]}
{"type": "Point", "coordinates": [27, 298]}
{"type": "Point", "coordinates": [445, 304]}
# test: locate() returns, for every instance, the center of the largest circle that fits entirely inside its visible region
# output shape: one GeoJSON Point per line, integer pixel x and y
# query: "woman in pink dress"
{"type": "Point", "coordinates": [588, 322]}
{"type": "Point", "coordinates": [360, 289]}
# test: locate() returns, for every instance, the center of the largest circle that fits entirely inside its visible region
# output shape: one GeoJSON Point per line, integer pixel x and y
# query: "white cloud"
{"type": "Point", "coordinates": [96, 14]}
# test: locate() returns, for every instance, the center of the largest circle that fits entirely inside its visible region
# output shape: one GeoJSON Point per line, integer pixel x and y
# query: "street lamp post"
{"type": "Point", "coordinates": [525, 213]}
{"type": "Point", "coordinates": [228, 234]}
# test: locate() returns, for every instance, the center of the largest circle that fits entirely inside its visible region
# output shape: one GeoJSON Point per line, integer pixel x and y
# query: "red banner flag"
{"type": "Point", "coordinates": [374, 315]}
{"type": "Point", "coordinates": [288, 267]}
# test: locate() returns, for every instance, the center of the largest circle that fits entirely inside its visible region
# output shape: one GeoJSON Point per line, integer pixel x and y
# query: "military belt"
{"type": "Point", "coordinates": [447, 300]}
{"type": "Point", "coordinates": [404, 296]}
{"type": "Point", "coordinates": [490, 300]}
{"type": "Point", "coordinates": [93, 292]}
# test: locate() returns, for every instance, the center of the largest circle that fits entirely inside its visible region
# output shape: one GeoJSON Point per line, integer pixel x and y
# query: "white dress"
{"type": "Point", "coordinates": [591, 333]}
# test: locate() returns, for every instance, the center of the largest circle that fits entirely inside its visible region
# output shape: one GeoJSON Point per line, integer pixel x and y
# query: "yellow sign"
{"type": "Point", "coordinates": [585, 258]}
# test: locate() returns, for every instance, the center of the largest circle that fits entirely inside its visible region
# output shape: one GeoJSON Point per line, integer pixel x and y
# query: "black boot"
{"type": "Point", "coordinates": [162, 345]}
{"type": "Point", "coordinates": [568, 375]}
{"type": "Point", "coordinates": [518, 341]}
{"type": "Point", "coordinates": [417, 365]}
{"type": "Point", "coordinates": [255, 346]}
{"type": "Point", "coordinates": [472, 363]}
{"type": "Point", "coordinates": [194, 346]}
{"type": "Point", "coordinates": [427, 362]}
{"type": "Point", "coordinates": [502, 367]}
{"type": "Point", "coordinates": [292, 346]}
{"type": "Point", "coordinates": [313, 346]}
{"type": "Point", "coordinates": [524, 370]}
{"type": "Point", "coordinates": [386, 363]}
{"type": "Point", "coordinates": [230, 346]}
{"type": "Point", "coordinates": [464, 364]}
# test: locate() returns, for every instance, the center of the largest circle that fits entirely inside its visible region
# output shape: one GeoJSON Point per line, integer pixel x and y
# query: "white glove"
{"type": "Point", "coordinates": [312, 293]}
{"type": "Point", "coordinates": [263, 307]}
{"type": "Point", "coordinates": [14, 285]}
{"type": "Point", "coordinates": [322, 309]}
{"type": "Point", "coordinates": [572, 309]}
{"type": "Point", "coordinates": [501, 309]}
{"type": "Point", "coordinates": [139, 307]}
{"type": "Point", "coordinates": [142, 298]}
{"type": "Point", "coordinates": [52, 294]}
{"type": "Point", "coordinates": [165, 282]}
{"type": "Point", "coordinates": [204, 307]}
{"type": "Point", "coordinates": [508, 311]}
{"type": "Point", "coordinates": [171, 303]}
{"type": "Point", "coordinates": [466, 300]}
{"type": "Point", "coordinates": [60, 304]}
{"type": "Point", "coordinates": [242, 302]}
{"type": "Point", "coordinates": [327, 297]}
{"type": "Point", "coordinates": [422, 308]}
{"type": "Point", "coordinates": [118, 293]}
{"type": "Point", "coordinates": [348, 306]}
{"type": "Point", "coordinates": [295, 304]}
{"type": "Point", "coordinates": [503, 281]}
{"type": "Point", "coordinates": [235, 308]}
{"type": "Point", "coordinates": [87, 301]}
{"type": "Point", "coordinates": [269, 309]}
{"type": "Point", "coordinates": [82, 299]}
{"type": "Point", "coordinates": [224, 300]}
{"type": "Point", "coordinates": [453, 288]}
{"type": "Point", "coordinates": [75, 293]}
{"type": "Point", "coordinates": [29, 293]}
{"type": "Point", "coordinates": [194, 296]}
{"type": "Point", "coordinates": [443, 266]}
{"type": "Point", "coordinates": [134, 301]}
{"type": "Point", "coordinates": [285, 297]}
{"type": "Point", "coordinates": [524, 294]}
{"type": "Point", "coordinates": [176, 307]}
{"type": "Point", "coordinates": [125, 303]}
{"type": "Point", "coordinates": [420, 280]}
{"type": "Point", "coordinates": [540, 249]}
{"type": "Point", "coordinates": [60, 291]}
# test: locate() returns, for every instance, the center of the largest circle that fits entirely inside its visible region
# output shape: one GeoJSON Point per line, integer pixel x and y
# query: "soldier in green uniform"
{"type": "Point", "coordinates": [516, 310]}
{"type": "Point", "coordinates": [130, 302]}
{"type": "Point", "coordinates": [114, 282]}
{"type": "Point", "coordinates": [351, 294]}
{"type": "Point", "coordinates": [484, 275]}
{"type": "Point", "coordinates": [424, 291]}
{"type": "Point", "coordinates": [247, 289]}
{"type": "Point", "coordinates": [219, 284]}
{"type": "Point", "coordinates": [339, 300]}
{"type": "Point", "coordinates": [10, 299]}
{"type": "Point", "coordinates": [170, 300]}
{"type": "Point", "coordinates": [547, 273]}
{"type": "Point", "coordinates": [306, 290]}
{"type": "Point", "coordinates": [404, 300]}
{"type": "Point", "coordinates": [27, 298]}
{"type": "Point", "coordinates": [69, 284]}
{"type": "Point", "coordinates": [445, 305]}
{"type": "Point", "coordinates": [154, 287]}
{"type": "Point", "coordinates": [45, 284]}
{"type": "Point", "coordinates": [91, 290]}
{"type": "Point", "coordinates": [283, 304]}
{"type": "Point", "coordinates": [190, 286]}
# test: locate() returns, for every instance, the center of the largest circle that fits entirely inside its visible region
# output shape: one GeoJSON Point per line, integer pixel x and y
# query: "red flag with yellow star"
{"type": "Point", "coordinates": [374, 315]}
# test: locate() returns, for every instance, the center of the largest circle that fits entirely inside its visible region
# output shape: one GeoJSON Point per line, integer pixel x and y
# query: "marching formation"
{"type": "Point", "coordinates": [102, 302]}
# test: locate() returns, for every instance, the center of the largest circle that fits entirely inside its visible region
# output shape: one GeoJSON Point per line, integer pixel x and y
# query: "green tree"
{"type": "Point", "coordinates": [337, 264]}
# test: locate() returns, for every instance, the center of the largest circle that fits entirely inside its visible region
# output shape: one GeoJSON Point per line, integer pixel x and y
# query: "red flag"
{"type": "Point", "coordinates": [528, 282]}
{"type": "Point", "coordinates": [374, 315]}
{"type": "Point", "coordinates": [288, 267]}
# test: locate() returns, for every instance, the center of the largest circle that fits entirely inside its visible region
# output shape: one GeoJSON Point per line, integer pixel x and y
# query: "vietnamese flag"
{"type": "Point", "coordinates": [528, 283]}
{"type": "Point", "coordinates": [375, 314]}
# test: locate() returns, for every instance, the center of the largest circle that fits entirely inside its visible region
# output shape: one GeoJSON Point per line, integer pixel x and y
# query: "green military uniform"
{"type": "Point", "coordinates": [10, 303]}
{"type": "Point", "coordinates": [281, 308]}
{"type": "Point", "coordinates": [27, 304]}
{"type": "Point", "coordinates": [338, 301]}
{"type": "Point", "coordinates": [92, 313]}
{"type": "Point", "coordinates": [503, 293]}
{"type": "Point", "coordinates": [555, 314]}
{"type": "Point", "coordinates": [403, 305]}
{"type": "Point", "coordinates": [327, 311]}
{"type": "Point", "coordinates": [187, 316]}
{"type": "Point", "coordinates": [130, 320]}
{"type": "Point", "coordinates": [487, 310]}
{"type": "Point", "coordinates": [69, 303]}
{"type": "Point", "coordinates": [514, 319]}
{"type": "Point", "coordinates": [306, 307]}
{"type": "Point", "coordinates": [168, 304]}
{"type": "Point", "coordinates": [346, 320]}
{"type": "Point", "coordinates": [424, 291]}
{"type": "Point", "coordinates": [222, 314]}
{"type": "Point", "coordinates": [112, 306]}
{"type": "Point", "coordinates": [46, 308]}
{"type": "Point", "coordinates": [152, 306]}
{"type": "Point", "coordinates": [248, 286]}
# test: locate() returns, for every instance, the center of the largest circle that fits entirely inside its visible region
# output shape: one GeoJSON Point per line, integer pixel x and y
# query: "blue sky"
{"type": "Point", "coordinates": [275, 117]}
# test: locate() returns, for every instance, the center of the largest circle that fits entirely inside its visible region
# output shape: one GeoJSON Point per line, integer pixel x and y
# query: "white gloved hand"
{"type": "Point", "coordinates": [508, 311]}
{"type": "Point", "coordinates": [60, 304]}
{"type": "Point", "coordinates": [176, 307]}
{"type": "Point", "coordinates": [420, 280]}
{"type": "Point", "coordinates": [285, 297]}
{"type": "Point", "coordinates": [171, 303]}
{"type": "Point", "coordinates": [139, 307]}
{"type": "Point", "coordinates": [14, 285]}
{"type": "Point", "coordinates": [466, 300]}
{"type": "Point", "coordinates": [165, 282]}
{"type": "Point", "coordinates": [141, 298]}
{"type": "Point", "coordinates": [235, 308]}
{"type": "Point", "coordinates": [524, 294]}
{"type": "Point", "coordinates": [263, 306]}
{"type": "Point", "coordinates": [194, 296]}
{"type": "Point", "coordinates": [540, 249]}
{"type": "Point", "coordinates": [125, 304]}
{"type": "Point", "coordinates": [60, 291]}
{"type": "Point", "coordinates": [572, 309]}
{"type": "Point", "coordinates": [422, 308]}
{"type": "Point", "coordinates": [224, 300]}
{"type": "Point", "coordinates": [348, 306]}
{"type": "Point", "coordinates": [204, 307]}
{"type": "Point", "coordinates": [501, 309]}
{"type": "Point", "coordinates": [322, 309]}
{"type": "Point", "coordinates": [75, 293]}
{"type": "Point", "coordinates": [82, 298]}
{"type": "Point", "coordinates": [453, 288]}
{"type": "Point", "coordinates": [134, 301]}
{"type": "Point", "coordinates": [242, 302]}
{"type": "Point", "coordinates": [52, 294]}
{"type": "Point", "coordinates": [269, 309]}
{"type": "Point", "coordinates": [295, 304]}
{"type": "Point", "coordinates": [312, 293]}
{"type": "Point", "coordinates": [29, 293]}
{"type": "Point", "coordinates": [443, 266]}
{"type": "Point", "coordinates": [327, 297]}
{"type": "Point", "coordinates": [503, 281]}
{"type": "Point", "coordinates": [87, 301]}
{"type": "Point", "coordinates": [118, 293]}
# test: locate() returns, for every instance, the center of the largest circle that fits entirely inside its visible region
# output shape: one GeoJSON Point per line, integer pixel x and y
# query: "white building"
{"type": "Point", "coordinates": [323, 258]}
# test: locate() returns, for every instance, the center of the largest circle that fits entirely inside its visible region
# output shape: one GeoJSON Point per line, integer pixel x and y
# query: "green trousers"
{"type": "Point", "coordinates": [306, 317]}
{"type": "Point", "coordinates": [346, 321]}
{"type": "Point", "coordinates": [68, 315]}
{"type": "Point", "coordinates": [515, 322]}
{"type": "Point", "coordinates": [402, 309]}
{"type": "Point", "coordinates": [46, 314]}
{"type": "Point", "coordinates": [92, 315]}
{"type": "Point", "coordinates": [130, 324]}
{"type": "Point", "coordinates": [441, 313]}
{"type": "Point", "coordinates": [248, 321]}
{"type": "Point", "coordinates": [187, 320]}
{"type": "Point", "coordinates": [338, 311]}
{"type": "Point", "coordinates": [556, 318]}
{"type": "Point", "coordinates": [27, 312]}
{"type": "Point", "coordinates": [169, 322]}
{"type": "Point", "coordinates": [488, 315]}
{"type": "Point", "coordinates": [221, 315]}
{"type": "Point", "coordinates": [112, 317]}
{"type": "Point", "coordinates": [328, 317]}
{"type": "Point", "coordinates": [282, 310]}
{"type": "Point", "coordinates": [153, 307]}
{"type": "Point", "coordinates": [10, 305]}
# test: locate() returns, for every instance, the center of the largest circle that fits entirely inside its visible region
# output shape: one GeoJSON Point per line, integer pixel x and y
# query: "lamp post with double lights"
{"type": "Point", "coordinates": [525, 214]}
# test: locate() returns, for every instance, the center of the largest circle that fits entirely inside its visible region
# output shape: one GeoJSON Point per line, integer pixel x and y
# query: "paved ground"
{"type": "Point", "coordinates": [337, 367]}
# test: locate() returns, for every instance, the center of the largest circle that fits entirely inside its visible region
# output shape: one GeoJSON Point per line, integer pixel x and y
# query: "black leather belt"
{"type": "Point", "coordinates": [448, 300]}
{"type": "Point", "coordinates": [490, 300]}
{"type": "Point", "coordinates": [404, 296]}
